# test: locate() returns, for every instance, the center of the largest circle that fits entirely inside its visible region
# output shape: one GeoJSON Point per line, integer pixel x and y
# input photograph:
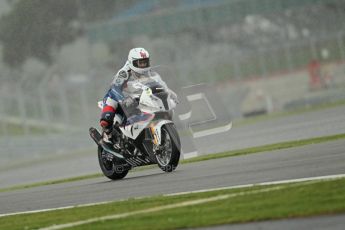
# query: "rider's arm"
{"type": "Point", "coordinates": [113, 97]}
{"type": "Point", "coordinates": [119, 83]}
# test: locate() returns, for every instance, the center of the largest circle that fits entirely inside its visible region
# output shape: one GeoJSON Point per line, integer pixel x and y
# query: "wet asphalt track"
{"type": "Point", "coordinates": [302, 126]}
{"type": "Point", "coordinates": [307, 161]}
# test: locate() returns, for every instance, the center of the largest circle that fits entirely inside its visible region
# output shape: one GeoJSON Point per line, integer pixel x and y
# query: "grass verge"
{"type": "Point", "coordinates": [221, 207]}
{"type": "Point", "coordinates": [13, 129]}
{"type": "Point", "coordinates": [275, 115]}
{"type": "Point", "coordinates": [259, 149]}
{"type": "Point", "coordinates": [60, 181]}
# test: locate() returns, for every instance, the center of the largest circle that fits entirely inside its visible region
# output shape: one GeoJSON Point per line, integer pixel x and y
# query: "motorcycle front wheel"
{"type": "Point", "coordinates": [169, 154]}
{"type": "Point", "coordinates": [111, 168]}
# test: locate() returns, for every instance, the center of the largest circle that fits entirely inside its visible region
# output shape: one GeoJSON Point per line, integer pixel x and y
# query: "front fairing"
{"type": "Point", "coordinates": [152, 96]}
{"type": "Point", "coordinates": [159, 99]}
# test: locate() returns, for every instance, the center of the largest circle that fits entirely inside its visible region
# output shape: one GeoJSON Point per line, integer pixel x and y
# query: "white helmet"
{"type": "Point", "coordinates": [139, 60]}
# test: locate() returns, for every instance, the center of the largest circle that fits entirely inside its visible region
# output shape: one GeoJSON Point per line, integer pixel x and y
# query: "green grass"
{"type": "Point", "coordinates": [60, 181]}
{"type": "Point", "coordinates": [275, 115]}
{"type": "Point", "coordinates": [67, 180]}
{"type": "Point", "coordinates": [249, 204]}
{"type": "Point", "coordinates": [29, 161]}
{"type": "Point", "coordinates": [13, 129]}
{"type": "Point", "coordinates": [259, 149]}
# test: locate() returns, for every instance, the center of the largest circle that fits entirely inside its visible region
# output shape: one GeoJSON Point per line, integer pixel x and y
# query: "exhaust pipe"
{"type": "Point", "coordinates": [97, 137]}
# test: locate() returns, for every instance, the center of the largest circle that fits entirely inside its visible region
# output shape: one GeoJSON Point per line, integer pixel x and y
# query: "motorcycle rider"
{"type": "Point", "coordinates": [136, 66]}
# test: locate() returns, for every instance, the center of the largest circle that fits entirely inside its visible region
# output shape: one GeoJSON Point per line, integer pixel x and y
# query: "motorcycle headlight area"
{"type": "Point", "coordinates": [155, 102]}
{"type": "Point", "coordinates": [163, 99]}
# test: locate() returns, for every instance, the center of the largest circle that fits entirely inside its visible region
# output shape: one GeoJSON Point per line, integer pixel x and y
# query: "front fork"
{"type": "Point", "coordinates": [154, 135]}
{"type": "Point", "coordinates": [156, 131]}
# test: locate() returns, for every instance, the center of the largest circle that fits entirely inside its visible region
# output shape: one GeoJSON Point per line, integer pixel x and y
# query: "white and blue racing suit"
{"type": "Point", "coordinates": [115, 93]}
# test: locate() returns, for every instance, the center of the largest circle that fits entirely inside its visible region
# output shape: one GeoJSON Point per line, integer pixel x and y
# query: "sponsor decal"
{"type": "Point", "coordinates": [143, 54]}
{"type": "Point", "coordinates": [148, 91]}
{"type": "Point", "coordinates": [123, 74]}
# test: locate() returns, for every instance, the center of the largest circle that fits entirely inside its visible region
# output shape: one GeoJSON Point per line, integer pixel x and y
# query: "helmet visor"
{"type": "Point", "coordinates": [142, 63]}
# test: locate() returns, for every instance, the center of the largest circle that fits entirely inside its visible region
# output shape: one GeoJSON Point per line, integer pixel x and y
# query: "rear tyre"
{"type": "Point", "coordinates": [169, 155]}
{"type": "Point", "coordinates": [110, 168]}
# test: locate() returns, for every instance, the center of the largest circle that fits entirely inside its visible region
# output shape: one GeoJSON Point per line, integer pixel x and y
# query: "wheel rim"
{"type": "Point", "coordinates": [164, 154]}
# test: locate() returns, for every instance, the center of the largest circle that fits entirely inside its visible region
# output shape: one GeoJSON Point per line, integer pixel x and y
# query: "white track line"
{"type": "Point", "coordinates": [59, 208]}
{"type": "Point", "coordinates": [329, 177]}
{"type": "Point", "coordinates": [159, 208]}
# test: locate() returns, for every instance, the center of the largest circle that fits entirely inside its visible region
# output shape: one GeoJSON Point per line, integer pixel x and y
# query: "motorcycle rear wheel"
{"type": "Point", "coordinates": [111, 169]}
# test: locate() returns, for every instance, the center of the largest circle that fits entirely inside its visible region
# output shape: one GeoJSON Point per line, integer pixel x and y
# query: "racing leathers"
{"type": "Point", "coordinates": [115, 94]}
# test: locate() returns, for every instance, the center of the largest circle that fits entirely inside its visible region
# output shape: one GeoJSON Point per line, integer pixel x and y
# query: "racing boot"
{"type": "Point", "coordinates": [106, 142]}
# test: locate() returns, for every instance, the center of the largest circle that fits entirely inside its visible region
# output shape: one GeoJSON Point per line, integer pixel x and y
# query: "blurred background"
{"type": "Point", "coordinates": [58, 58]}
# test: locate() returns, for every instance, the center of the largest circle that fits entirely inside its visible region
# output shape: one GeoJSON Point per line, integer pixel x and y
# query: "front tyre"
{"type": "Point", "coordinates": [110, 168]}
{"type": "Point", "coordinates": [169, 154]}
